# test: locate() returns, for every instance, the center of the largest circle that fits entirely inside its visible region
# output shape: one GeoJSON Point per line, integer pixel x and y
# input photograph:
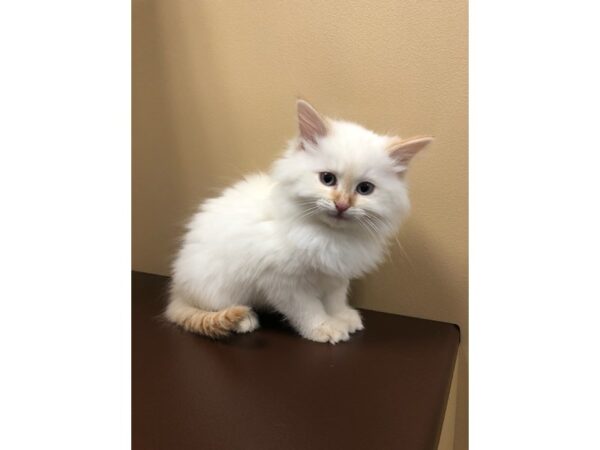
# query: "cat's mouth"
{"type": "Point", "coordinates": [338, 216]}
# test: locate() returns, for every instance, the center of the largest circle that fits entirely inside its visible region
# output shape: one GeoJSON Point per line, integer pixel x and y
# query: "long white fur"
{"type": "Point", "coordinates": [272, 238]}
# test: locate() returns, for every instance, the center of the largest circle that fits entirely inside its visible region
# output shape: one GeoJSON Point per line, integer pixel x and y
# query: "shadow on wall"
{"type": "Point", "coordinates": [418, 278]}
{"type": "Point", "coordinates": [165, 126]}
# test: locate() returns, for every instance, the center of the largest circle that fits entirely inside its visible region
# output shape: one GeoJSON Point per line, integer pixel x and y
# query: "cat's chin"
{"type": "Point", "coordinates": [337, 221]}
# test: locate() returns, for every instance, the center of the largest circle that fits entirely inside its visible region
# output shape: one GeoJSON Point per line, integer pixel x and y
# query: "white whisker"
{"type": "Point", "coordinates": [307, 213]}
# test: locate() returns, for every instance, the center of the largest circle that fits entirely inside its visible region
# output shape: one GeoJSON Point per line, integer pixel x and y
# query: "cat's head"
{"type": "Point", "coordinates": [344, 175]}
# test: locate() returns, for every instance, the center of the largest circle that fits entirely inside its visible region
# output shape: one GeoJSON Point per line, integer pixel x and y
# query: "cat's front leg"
{"type": "Point", "coordinates": [335, 301]}
{"type": "Point", "coordinates": [307, 315]}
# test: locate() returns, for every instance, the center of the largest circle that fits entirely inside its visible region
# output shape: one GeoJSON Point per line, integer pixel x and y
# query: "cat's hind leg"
{"type": "Point", "coordinates": [248, 323]}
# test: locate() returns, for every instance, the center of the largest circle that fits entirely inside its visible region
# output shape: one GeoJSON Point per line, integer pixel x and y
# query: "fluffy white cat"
{"type": "Point", "coordinates": [292, 239]}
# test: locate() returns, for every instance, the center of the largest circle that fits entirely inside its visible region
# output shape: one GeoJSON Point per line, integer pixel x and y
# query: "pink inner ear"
{"type": "Point", "coordinates": [403, 151]}
{"type": "Point", "coordinates": [310, 122]}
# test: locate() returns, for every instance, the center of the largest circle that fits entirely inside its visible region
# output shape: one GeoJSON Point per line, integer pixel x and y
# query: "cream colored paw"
{"type": "Point", "coordinates": [247, 324]}
{"type": "Point", "coordinates": [351, 317]}
{"type": "Point", "coordinates": [332, 331]}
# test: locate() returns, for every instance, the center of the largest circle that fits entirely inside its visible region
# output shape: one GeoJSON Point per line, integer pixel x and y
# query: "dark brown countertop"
{"type": "Point", "coordinates": [386, 388]}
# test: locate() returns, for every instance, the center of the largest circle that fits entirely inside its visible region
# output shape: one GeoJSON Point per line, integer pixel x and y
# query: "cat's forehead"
{"type": "Point", "coordinates": [350, 134]}
{"type": "Point", "coordinates": [354, 149]}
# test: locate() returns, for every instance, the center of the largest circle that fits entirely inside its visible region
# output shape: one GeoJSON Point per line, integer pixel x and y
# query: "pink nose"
{"type": "Point", "coordinates": [341, 206]}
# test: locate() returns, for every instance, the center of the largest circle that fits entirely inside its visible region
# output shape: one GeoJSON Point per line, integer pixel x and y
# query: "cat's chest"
{"type": "Point", "coordinates": [335, 254]}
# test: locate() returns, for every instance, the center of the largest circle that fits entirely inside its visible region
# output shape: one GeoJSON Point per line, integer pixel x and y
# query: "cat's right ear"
{"type": "Point", "coordinates": [311, 124]}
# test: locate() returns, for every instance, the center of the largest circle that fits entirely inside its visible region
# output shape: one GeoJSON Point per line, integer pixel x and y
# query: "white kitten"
{"type": "Point", "coordinates": [292, 239]}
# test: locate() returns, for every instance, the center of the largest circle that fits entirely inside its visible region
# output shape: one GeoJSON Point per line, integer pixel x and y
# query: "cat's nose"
{"type": "Point", "coordinates": [341, 206]}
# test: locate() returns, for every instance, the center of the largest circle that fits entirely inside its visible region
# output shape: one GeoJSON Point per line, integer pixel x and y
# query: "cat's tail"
{"type": "Point", "coordinates": [214, 324]}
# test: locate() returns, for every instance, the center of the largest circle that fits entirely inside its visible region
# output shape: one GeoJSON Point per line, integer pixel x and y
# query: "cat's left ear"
{"type": "Point", "coordinates": [402, 151]}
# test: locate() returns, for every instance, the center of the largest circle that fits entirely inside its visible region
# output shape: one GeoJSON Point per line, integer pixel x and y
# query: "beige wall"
{"type": "Point", "coordinates": [214, 84]}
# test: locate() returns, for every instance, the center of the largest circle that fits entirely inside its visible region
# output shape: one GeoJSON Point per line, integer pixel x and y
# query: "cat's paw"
{"type": "Point", "coordinates": [247, 324]}
{"type": "Point", "coordinates": [351, 317]}
{"type": "Point", "coordinates": [332, 331]}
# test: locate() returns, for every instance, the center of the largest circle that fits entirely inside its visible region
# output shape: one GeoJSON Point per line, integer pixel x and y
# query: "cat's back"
{"type": "Point", "coordinates": [241, 207]}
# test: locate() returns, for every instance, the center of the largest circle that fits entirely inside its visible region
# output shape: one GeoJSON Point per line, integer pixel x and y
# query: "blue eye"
{"type": "Point", "coordinates": [327, 178]}
{"type": "Point", "coordinates": [365, 188]}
